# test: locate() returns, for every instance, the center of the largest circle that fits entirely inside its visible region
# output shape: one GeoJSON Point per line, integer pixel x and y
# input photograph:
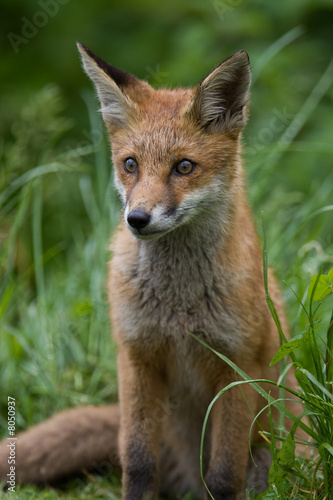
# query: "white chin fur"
{"type": "Point", "coordinates": [154, 235]}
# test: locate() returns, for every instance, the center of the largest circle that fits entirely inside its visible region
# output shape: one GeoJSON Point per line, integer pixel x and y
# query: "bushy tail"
{"type": "Point", "coordinates": [83, 438]}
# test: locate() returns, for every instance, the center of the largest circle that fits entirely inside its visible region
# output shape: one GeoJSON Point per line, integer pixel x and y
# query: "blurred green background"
{"type": "Point", "coordinates": [57, 204]}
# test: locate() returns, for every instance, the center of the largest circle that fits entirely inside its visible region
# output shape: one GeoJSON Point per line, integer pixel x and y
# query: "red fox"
{"type": "Point", "coordinates": [184, 259]}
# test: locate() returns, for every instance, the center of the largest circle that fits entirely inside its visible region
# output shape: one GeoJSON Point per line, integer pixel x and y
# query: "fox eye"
{"type": "Point", "coordinates": [130, 165]}
{"type": "Point", "coordinates": [185, 167]}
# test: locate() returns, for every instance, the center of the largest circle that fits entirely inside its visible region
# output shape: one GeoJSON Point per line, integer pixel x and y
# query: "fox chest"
{"type": "Point", "coordinates": [154, 304]}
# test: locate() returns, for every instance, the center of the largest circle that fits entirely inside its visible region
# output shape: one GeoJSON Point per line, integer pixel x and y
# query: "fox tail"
{"type": "Point", "coordinates": [70, 442]}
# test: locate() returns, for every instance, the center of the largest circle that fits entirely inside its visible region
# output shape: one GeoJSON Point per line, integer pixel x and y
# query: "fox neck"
{"type": "Point", "coordinates": [215, 236]}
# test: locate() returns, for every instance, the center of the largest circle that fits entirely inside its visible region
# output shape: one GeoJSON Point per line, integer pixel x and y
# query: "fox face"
{"type": "Point", "coordinates": [175, 152]}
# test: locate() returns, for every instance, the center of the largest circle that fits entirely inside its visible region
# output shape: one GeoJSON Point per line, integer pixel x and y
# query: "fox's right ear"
{"type": "Point", "coordinates": [110, 83]}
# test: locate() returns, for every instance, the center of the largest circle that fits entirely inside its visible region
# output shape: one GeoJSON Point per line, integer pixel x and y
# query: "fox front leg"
{"type": "Point", "coordinates": [231, 421]}
{"type": "Point", "coordinates": [140, 391]}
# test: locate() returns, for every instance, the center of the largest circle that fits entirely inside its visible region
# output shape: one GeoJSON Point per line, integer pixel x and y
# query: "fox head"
{"type": "Point", "coordinates": [175, 152]}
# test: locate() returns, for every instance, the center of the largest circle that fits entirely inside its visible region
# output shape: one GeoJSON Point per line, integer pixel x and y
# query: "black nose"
{"type": "Point", "coordinates": [138, 218]}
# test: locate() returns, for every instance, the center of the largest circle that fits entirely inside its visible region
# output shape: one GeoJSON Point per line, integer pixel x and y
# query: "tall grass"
{"type": "Point", "coordinates": [53, 308]}
{"type": "Point", "coordinates": [294, 476]}
{"type": "Point", "coordinates": [309, 475]}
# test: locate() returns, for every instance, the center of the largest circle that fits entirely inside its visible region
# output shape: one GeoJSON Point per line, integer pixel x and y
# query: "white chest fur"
{"type": "Point", "coordinates": [165, 288]}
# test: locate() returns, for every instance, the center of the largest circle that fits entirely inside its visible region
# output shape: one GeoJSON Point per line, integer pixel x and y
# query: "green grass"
{"type": "Point", "coordinates": [57, 211]}
{"type": "Point", "coordinates": [293, 476]}
{"type": "Point", "coordinates": [85, 487]}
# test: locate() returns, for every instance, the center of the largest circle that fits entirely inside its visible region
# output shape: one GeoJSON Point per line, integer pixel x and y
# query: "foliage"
{"type": "Point", "coordinates": [299, 477]}
{"type": "Point", "coordinates": [54, 317]}
{"type": "Point", "coordinates": [308, 475]}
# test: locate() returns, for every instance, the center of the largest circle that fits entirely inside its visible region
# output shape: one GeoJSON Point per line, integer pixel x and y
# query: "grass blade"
{"type": "Point", "coordinates": [275, 48]}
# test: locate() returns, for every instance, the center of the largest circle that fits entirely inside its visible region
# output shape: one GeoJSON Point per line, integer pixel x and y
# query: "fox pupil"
{"type": "Point", "coordinates": [130, 165]}
{"type": "Point", "coordinates": [185, 167]}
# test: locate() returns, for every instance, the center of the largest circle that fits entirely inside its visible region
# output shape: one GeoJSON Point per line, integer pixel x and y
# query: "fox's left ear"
{"type": "Point", "coordinates": [220, 101]}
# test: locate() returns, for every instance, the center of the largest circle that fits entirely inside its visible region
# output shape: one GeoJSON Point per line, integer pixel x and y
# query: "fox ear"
{"type": "Point", "coordinates": [220, 101]}
{"type": "Point", "coordinates": [110, 83]}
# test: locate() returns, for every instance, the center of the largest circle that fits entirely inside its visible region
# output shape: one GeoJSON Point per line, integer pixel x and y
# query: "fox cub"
{"type": "Point", "coordinates": [185, 260]}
